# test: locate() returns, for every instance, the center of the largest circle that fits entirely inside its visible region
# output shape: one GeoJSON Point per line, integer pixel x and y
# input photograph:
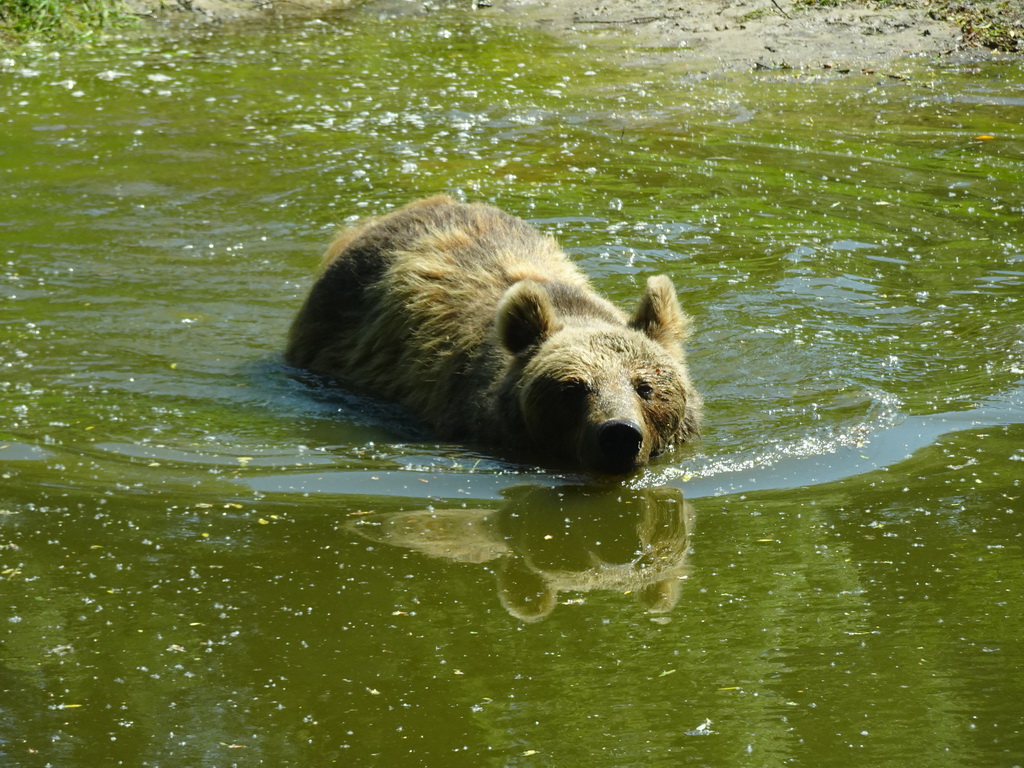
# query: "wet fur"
{"type": "Point", "coordinates": [444, 307]}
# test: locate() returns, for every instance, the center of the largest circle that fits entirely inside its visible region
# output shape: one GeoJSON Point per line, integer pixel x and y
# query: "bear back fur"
{"type": "Point", "coordinates": [481, 325]}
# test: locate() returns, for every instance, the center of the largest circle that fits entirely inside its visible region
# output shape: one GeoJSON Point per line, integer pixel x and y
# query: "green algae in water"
{"type": "Point", "coordinates": [179, 515]}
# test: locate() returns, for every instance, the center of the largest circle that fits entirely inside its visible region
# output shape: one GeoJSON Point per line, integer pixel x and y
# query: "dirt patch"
{"type": "Point", "coordinates": [746, 34]}
{"type": "Point", "coordinates": [700, 34]}
{"type": "Point", "coordinates": [771, 34]}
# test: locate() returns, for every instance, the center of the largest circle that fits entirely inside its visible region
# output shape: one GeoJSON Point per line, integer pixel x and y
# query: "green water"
{"type": "Point", "coordinates": [206, 562]}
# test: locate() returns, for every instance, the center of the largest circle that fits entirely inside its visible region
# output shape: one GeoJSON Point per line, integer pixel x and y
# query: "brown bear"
{"type": "Point", "coordinates": [483, 327]}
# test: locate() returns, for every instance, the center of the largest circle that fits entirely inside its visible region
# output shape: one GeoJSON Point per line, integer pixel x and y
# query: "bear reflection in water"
{"type": "Point", "coordinates": [564, 539]}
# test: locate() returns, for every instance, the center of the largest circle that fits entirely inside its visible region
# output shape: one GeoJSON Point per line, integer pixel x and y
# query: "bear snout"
{"type": "Point", "coordinates": [620, 442]}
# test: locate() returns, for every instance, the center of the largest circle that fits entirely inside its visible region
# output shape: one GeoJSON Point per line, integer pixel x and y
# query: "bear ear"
{"type": "Point", "coordinates": [661, 596]}
{"type": "Point", "coordinates": [525, 316]}
{"type": "Point", "coordinates": [524, 592]}
{"type": "Point", "coordinates": [659, 316]}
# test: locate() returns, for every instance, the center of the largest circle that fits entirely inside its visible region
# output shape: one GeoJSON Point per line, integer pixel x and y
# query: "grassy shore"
{"type": "Point", "coordinates": [71, 20]}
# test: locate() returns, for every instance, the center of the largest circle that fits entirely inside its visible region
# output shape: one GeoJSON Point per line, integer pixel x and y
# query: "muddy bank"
{"type": "Point", "coordinates": [698, 34]}
{"type": "Point", "coordinates": [746, 34]}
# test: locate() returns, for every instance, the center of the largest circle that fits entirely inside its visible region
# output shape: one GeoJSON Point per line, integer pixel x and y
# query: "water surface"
{"type": "Point", "coordinates": [204, 560]}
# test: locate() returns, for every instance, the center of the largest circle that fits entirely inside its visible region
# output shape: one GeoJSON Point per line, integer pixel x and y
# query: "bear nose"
{"type": "Point", "coordinates": [620, 439]}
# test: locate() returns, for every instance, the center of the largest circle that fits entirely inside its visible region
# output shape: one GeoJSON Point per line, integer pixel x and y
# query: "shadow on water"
{"type": "Point", "coordinates": [547, 541]}
{"type": "Point", "coordinates": [291, 391]}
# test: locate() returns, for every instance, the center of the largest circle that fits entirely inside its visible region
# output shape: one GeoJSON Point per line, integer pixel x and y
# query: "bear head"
{"type": "Point", "coordinates": [591, 391]}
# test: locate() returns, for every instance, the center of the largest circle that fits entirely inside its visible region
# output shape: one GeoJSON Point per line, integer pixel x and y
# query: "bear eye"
{"type": "Point", "coordinates": [573, 389]}
{"type": "Point", "coordinates": [645, 389]}
{"type": "Point", "coordinates": [572, 392]}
